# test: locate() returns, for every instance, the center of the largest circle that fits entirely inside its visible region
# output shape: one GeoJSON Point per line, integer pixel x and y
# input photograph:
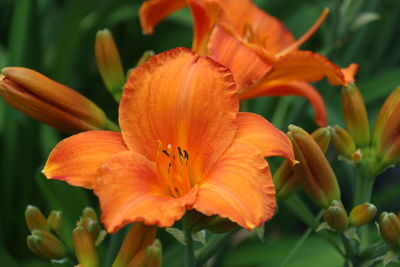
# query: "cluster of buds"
{"type": "Point", "coordinates": [139, 248]}
{"type": "Point", "coordinates": [337, 218]}
{"type": "Point", "coordinates": [285, 180]}
{"type": "Point", "coordinates": [43, 240]}
{"type": "Point", "coordinates": [389, 228]}
{"type": "Point", "coordinates": [378, 150]}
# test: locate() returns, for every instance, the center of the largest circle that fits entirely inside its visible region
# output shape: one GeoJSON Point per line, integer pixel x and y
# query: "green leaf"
{"type": "Point", "coordinates": [324, 226]}
{"type": "Point", "coordinates": [200, 236]}
{"type": "Point", "coordinates": [178, 234]}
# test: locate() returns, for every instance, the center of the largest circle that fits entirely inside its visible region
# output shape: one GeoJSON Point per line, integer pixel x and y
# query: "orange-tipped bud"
{"type": "Point", "coordinates": [336, 216]}
{"type": "Point", "coordinates": [362, 214]}
{"type": "Point", "coordinates": [46, 245]}
{"type": "Point", "coordinates": [55, 220]}
{"type": "Point", "coordinates": [35, 219]}
{"type": "Point", "coordinates": [109, 63]}
{"type": "Point", "coordinates": [343, 142]}
{"type": "Point", "coordinates": [386, 136]}
{"type": "Point", "coordinates": [138, 238]}
{"type": "Point", "coordinates": [50, 102]}
{"type": "Point", "coordinates": [313, 170]}
{"type": "Point", "coordinates": [389, 227]}
{"type": "Point", "coordinates": [284, 178]}
{"type": "Point", "coordinates": [85, 249]}
{"type": "Point", "coordinates": [355, 115]}
{"type": "Point", "coordinates": [151, 256]}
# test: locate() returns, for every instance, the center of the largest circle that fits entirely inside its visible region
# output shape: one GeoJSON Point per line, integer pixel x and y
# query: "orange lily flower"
{"type": "Point", "coordinates": [183, 145]}
{"type": "Point", "coordinates": [261, 52]}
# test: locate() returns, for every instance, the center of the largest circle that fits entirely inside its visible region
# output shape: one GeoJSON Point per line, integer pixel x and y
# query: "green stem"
{"type": "Point", "coordinates": [213, 245]}
{"type": "Point", "coordinates": [190, 257]}
{"type": "Point", "coordinates": [364, 185]}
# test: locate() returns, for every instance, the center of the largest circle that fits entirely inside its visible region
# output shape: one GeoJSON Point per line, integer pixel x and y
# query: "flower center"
{"type": "Point", "coordinates": [172, 167]}
{"type": "Point", "coordinates": [253, 36]}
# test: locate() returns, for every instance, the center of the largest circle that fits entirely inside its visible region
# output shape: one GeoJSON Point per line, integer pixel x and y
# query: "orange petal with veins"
{"type": "Point", "coordinates": [254, 129]}
{"type": "Point", "coordinates": [77, 158]}
{"type": "Point", "coordinates": [153, 11]}
{"type": "Point", "coordinates": [130, 191]}
{"type": "Point", "coordinates": [184, 101]}
{"type": "Point", "coordinates": [305, 66]}
{"type": "Point", "coordinates": [239, 187]}
{"type": "Point", "coordinates": [290, 88]}
{"type": "Point", "coordinates": [246, 66]}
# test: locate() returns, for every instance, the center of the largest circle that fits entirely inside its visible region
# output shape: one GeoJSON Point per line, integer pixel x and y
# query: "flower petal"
{"type": "Point", "coordinates": [245, 15]}
{"type": "Point", "coordinates": [129, 191]}
{"type": "Point", "coordinates": [305, 66]}
{"type": "Point", "coordinates": [272, 88]}
{"type": "Point", "coordinates": [239, 187]}
{"type": "Point", "coordinates": [182, 100]}
{"type": "Point", "coordinates": [77, 158]}
{"type": "Point", "coordinates": [350, 72]}
{"type": "Point", "coordinates": [254, 129]}
{"type": "Point", "coordinates": [154, 11]}
{"type": "Point", "coordinates": [246, 66]}
{"type": "Point", "coordinates": [205, 13]}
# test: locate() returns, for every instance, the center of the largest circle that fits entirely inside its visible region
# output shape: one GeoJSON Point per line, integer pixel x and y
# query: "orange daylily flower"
{"type": "Point", "coordinates": [261, 52]}
{"type": "Point", "coordinates": [183, 145]}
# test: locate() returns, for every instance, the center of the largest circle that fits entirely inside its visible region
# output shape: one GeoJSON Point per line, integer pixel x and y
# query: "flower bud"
{"type": "Point", "coordinates": [355, 115]}
{"type": "Point", "coordinates": [138, 238]}
{"type": "Point", "coordinates": [85, 249]}
{"type": "Point", "coordinates": [362, 214]}
{"type": "Point", "coordinates": [46, 245]}
{"type": "Point", "coordinates": [55, 220]}
{"type": "Point", "coordinates": [313, 170]}
{"type": "Point", "coordinates": [50, 102]}
{"type": "Point", "coordinates": [151, 256]}
{"type": "Point", "coordinates": [109, 63]}
{"type": "Point", "coordinates": [35, 219]}
{"type": "Point", "coordinates": [386, 136]}
{"type": "Point", "coordinates": [284, 178]}
{"type": "Point", "coordinates": [343, 142]}
{"type": "Point", "coordinates": [336, 216]}
{"type": "Point", "coordinates": [389, 227]}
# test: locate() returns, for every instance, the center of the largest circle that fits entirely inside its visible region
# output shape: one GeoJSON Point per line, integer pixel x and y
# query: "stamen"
{"type": "Point", "coordinates": [307, 35]}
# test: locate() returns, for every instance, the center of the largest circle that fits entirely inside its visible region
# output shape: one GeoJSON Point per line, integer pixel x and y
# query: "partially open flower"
{"type": "Point", "coordinates": [51, 102]}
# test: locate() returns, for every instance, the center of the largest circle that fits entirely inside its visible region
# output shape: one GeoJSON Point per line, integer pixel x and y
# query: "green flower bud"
{"type": "Point", "coordinates": [362, 214]}
{"type": "Point", "coordinates": [336, 216]}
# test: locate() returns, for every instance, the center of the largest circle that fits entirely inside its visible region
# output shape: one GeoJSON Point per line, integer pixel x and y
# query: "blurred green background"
{"type": "Point", "coordinates": [56, 38]}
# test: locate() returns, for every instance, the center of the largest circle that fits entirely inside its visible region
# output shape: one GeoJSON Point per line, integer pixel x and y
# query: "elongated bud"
{"type": "Point", "coordinates": [285, 179]}
{"type": "Point", "coordinates": [362, 214]}
{"type": "Point", "coordinates": [355, 115]}
{"type": "Point", "coordinates": [343, 142]}
{"type": "Point", "coordinates": [151, 256]}
{"type": "Point", "coordinates": [35, 219]}
{"type": "Point", "coordinates": [50, 102]}
{"type": "Point", "coordinates": [85, 249]}
{"type": "Point", "coordinates": [336, 216]}
{"type": "Point", "coordinates": [55, 220]}
{"type": "Point", "coordinates": [109, 63]}
{"type": "Point", "coordinates": [386, 131]}
{"type": "Point", "coordinates": [138, 238]}
{"type": "Point", "coordinates": [389, 227]}
{"type": "Point", "coordinates": [46, 245]}
{"type": "Point", "coordinates": [313, 170]}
